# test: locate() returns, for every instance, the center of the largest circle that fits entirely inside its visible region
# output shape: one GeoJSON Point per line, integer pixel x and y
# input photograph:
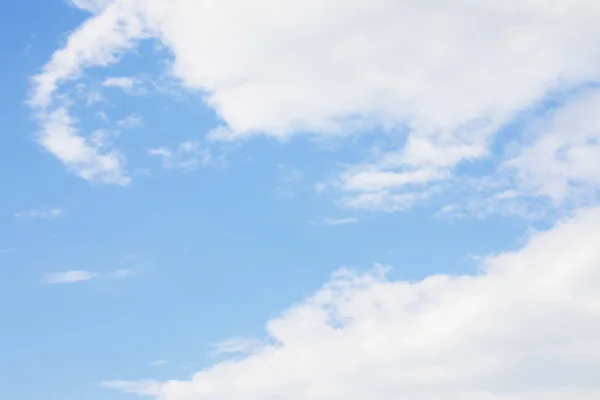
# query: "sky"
{"type": "Point", "coordinates": [258, 200]}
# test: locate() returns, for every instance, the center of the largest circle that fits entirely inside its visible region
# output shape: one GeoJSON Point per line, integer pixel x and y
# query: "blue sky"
{"type": "Point", "coordinates": [199, 175]}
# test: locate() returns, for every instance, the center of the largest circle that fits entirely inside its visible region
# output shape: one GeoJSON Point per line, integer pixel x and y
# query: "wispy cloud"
{"type": "Point", "coordinates": [75, 276]}
{"type": "Point", "coordinates": [88, 94]}
{"type": "Point", "coordinates": [103, 138]}
{"type": "Point", "coordinates": [187, 155]}
{"type": "Point", "coordinates": [79, 154]}
{"type": "Point", "coordinates": [158, 363]}
{"type": "Point", "coordinates": [99, 42]}
{"type": "Point", "coordinates": [68, 277]}
{"type": "Point", "coordinates": [121, 274]}
{"type": "Point", "coordinates": [130, 121]}
{"type": "Point", "coordinates": [128, 84]}
{"type": "Point", "coordinates": [340, 221]}
{"type": "Point", "coordinates": [238, 345]}
{"type": "Point", "coordinates": [41, 213]}
{"type": "Point", "coordinates": [335, 221]}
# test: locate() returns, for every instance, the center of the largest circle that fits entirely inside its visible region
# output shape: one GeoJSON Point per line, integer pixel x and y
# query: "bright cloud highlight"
{"type": "Point", "coordinates": [526, 327]}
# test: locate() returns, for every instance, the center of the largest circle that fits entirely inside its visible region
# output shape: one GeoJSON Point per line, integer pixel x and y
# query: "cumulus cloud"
{"type": "Point", "coordinates": [447, 76]}
{"type": "Point", "coordinates": [68, 277]}
{"type": "Point", "coordinates": [527, 327]}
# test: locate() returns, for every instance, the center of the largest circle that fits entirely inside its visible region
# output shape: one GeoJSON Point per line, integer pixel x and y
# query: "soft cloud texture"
{"type": "Point", "coordinates": [97, 42]}
{"type": "Point", "coordinates": [187, 155]}
{"type": "Point", "coordinates": [126, 83]}
{"type": "Point", "coordinates": [445, 76]}
{"type": "Point", "coordinates": [68, 277]}
{"type": "Point", "coordinates": [526, 327]}
{"type": "Point", "coordinates": [41, 213]}
{"type": "Point", "coordinates": [442, 79]}
{"type": "Point", "coordinates": [560, 158]}
{"type": "Point", "coordinates": [80, 155]}
{"type": "Point", "coordinates": [238, 346]}
{"type": "Point", "coordinates": [130, 121]}
{"type": "Point", "coordinates": [339, 221]}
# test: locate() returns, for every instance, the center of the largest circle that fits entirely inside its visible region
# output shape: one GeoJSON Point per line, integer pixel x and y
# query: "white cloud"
{"type": "Point", "coordinates": [373, 187]}
{"type": "Point", "coordinates": [80, 155]}
{"type": "Point", "coordinates": [373, 180]}
{"type": "Point", "coordinates": [526, 327]}
{"type": "Point", "coordinates": [128, 84]}
{"type": "Point", "coordinates": [550, 168]}
{"type": "Point", "coordinates": [97, 42]}
{"type": "Point", "coordinates": [187, 156]}
{"type": "Point", "coordinates": [158, 363]}
{"type": "Point", "coordinates": [91, 5]}
{"type": "Point", "coordinates": [238, 346]}
{"type": "Point", "coordinates": [339, 221]}
{"type": "Point", "coordinates": [130, 121]}
{"type": "Point", "coordinates": [68, 277]}
{"type": "Point", "coordinates": [87, 94]}
{"type": "Point", "coordinates": [384, 200]}
{"type": "Point", "coordinates": [561, 159]}
{"type": "Point", "coordinates": [41, 213]}
{"type": "Point", "coordinates": [103, 138]}
{"type": "Point", "coordinates": [451, 73]}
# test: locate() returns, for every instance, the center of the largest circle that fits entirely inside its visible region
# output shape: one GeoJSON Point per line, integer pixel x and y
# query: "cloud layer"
{"type": "Point", "coordinates": [443, 79]}
{"type": "Point", "coordinates": [446, 76]}
{"type": "Point", "coordinates": [526, 327]}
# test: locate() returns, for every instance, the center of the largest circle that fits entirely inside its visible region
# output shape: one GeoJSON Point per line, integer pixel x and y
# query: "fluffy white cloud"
{"type": "Point", "coordinates": [454, 71]}
{"type": "Point", "coordinates": [41, 213]}
{"type": "Point", "coordinates": [451, 73]}
{"type": "Point", "coordinates": [68, 277]}
{"type": "Point", "coordinates": [526, 327]}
